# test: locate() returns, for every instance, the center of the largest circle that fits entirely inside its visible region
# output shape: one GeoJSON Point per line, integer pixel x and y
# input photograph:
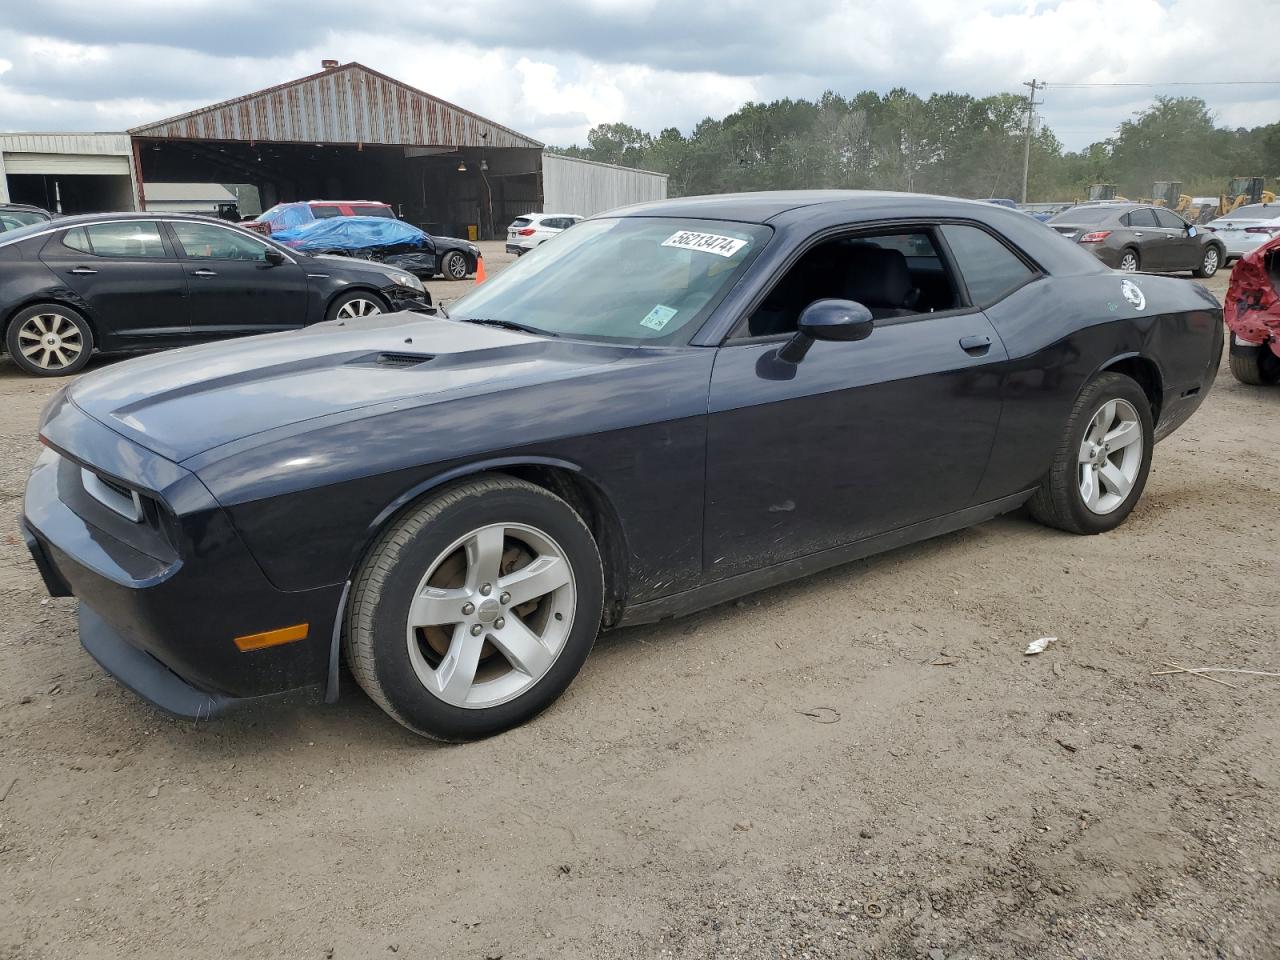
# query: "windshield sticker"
{"type": "Point", "coordinates": [658, 317]}
{"type": "Point", "coordinates": [705, 242]}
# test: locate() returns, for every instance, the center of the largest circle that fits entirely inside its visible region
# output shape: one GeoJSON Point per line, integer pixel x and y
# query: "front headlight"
{"type": "Point", "coordinates": [406, 279]}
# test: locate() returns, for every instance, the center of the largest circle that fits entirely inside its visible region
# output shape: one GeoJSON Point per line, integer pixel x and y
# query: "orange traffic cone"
{"type": "Point", "coordinates": [480, 277]}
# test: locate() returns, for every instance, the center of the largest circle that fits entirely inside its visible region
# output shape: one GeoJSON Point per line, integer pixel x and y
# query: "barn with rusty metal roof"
{"type": "Point", "coordinates": [345, 133]}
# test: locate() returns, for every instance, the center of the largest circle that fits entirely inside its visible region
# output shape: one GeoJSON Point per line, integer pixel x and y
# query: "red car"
{"type": "Point", "coordinates": [286, 216]}
{"type": "Point", "coordinates": [1252, 315]}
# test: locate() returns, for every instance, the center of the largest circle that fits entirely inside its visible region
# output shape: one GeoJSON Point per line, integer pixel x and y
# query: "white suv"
{"type": "Point", "coordinates": [528, 231]}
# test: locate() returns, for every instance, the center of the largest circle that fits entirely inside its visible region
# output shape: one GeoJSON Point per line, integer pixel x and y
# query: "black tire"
{"type": "Point", "coordinates": [1255, 366]}
{"type": "Point", "coordinates": [1058, 501]}
{"type": "Point", "coordinates": [1207, 269]}
{"type": "Point", "coordinates": [1137, 260]}
{"type": "Point", "coordinates": [351, 297]}
{"type": "Point", "coordinates": [454, 266]}
{"type": "Point", "coordinates": [68, 331]}
{"type": "Point", "coordinates": [377, 616]}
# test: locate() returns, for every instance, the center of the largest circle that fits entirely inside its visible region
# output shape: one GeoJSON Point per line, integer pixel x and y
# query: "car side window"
{"type": "Point", "coordinates": [124, 240]}
{"type": "Point", "coordinates": [894, 275]}
{"type": "Point", "coordinates": [323, 211]}
{"type": "Point", "coordinates": [1146, 217]}
{"type": "Point", "coordinates": [204, 241]}
{"type": "Point", "coordinates": [990, 270]}
{"type": "Point", "coordinates": [1167, 218]}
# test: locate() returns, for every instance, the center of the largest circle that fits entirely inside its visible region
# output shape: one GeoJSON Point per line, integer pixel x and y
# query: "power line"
{"type": "Point", "coordinates": [1166, 83]}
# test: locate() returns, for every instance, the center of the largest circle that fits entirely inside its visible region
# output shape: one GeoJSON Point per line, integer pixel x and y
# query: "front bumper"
{"type": "Point", "coordinates": [161, 608]}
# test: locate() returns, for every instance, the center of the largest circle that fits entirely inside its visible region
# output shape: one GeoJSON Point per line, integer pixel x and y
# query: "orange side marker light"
{"type": "Point", "coordinates": [272, 638]}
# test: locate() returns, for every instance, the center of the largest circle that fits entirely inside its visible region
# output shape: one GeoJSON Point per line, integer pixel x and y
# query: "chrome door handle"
{"type": "Point", "coordinates": [204, 273]}
{"type": "Point", "coordinates": [1136, 234]}
{"type": "Point", "coordinates": [82, 271]}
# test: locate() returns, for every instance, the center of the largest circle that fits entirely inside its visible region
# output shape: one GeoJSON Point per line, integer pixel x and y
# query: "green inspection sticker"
{"type": "Point", "coordinates": [658, 317]}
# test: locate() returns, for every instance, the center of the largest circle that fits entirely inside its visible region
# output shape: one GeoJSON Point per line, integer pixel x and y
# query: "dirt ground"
{"type": "Point", "coordinates": [862, 764]}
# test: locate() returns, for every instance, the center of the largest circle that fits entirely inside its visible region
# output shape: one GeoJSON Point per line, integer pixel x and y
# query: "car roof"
{"type": "Point", "coordinates": [768, 206]}
{"type": "Point", "coordinates": [79, 218]}
{"type": "Point", "coordinates": [24, 206]}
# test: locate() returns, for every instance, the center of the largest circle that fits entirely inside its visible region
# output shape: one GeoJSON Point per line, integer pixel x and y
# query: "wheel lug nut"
{"type": "Point", "coordinates": [468, 609]}
{"type": "Point", "coordinates": [486, 589]}
{"type": "Point", "coordinates": [505, 598]}
{"type": "Point", "coordinates": [476, 629]}
{"type": "Point", "coordinates": [499, 623]}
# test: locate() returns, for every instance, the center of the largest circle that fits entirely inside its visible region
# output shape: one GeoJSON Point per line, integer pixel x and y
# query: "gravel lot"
{"type": "Point", "coordinates": [862, 764]}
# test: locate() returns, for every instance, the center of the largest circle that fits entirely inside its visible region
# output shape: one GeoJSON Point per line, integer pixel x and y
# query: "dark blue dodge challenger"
{"type": "Point", "coordinates": [667, 408]}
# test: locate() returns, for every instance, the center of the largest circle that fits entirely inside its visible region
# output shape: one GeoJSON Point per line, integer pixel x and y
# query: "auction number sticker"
{"type": "Point", "coordinates": [658, 317]}
{"type": "Point", "coordinates": [705, 242]}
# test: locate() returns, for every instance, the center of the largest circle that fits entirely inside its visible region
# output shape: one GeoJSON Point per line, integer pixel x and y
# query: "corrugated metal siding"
{"type": "Point", "coordinates": [117, 144]}
{"type": "Point", "coordinates": [66, 163]}
{"type": "Point", "coordinates": [349, 104]}
{"type": "Point", "coordinates": [570, 185]}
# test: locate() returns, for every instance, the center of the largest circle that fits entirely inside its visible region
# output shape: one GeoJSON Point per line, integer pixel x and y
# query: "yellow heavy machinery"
{"type": "Point", "coordinates": [1103, 192]}
{"type": "Point", "coordinates": [1168, 193]}
{"type": "Point", "coordinates": [1241, 191]}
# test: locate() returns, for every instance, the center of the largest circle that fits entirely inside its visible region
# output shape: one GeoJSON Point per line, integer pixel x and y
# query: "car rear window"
{"type": "Point", "coordinates": [322, 211]}
{"type": "Point", "coordinates": [1081, 216]}
{"type": "Point", "coordinates": [373, 210]}
{"type": "Point", "coordinates": [519, 222]}
{"type": "Point", "coordinates": [16, 219]}
{"type": "Point", "coordinates": [1255, 211]}
{"type": "Point", "coordinates": [991, 270]}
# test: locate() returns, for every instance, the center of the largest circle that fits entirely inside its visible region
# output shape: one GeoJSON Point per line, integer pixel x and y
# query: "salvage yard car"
{"type": "Point", "coordinates": [129, 281]}
{"type": "Point", "coordinates": [15, 216]}
{"type": "Point", "coordinates": [665, 409]}
{"type": "Point", "coordinates": [1132, 237]}
{"type": "Point", "coordinates": [534, 229]}
{"type": "Point", "coordinates": [392, 242]}
{"type": "Point", "coordinates": [1245, 229]}
{"type": "Point", "coordinates": [1253, 316]}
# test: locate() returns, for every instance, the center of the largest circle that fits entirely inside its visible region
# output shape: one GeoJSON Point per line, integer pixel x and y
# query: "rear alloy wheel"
{"type": "Point", "coordinates": [1209, 266]}
{"type": "Point", "coordinates": [354, 305]}
{"type": "Point", "coordinates": [475, 611]}
{"type": "Point", "coordinates": [454, 266]}
{"type": "Point", "coordinates": [1129, 262]}
{"type": "Point", "coordinates": [1100, 466]}
{"type": "Point", "coordinates": [49, 340]}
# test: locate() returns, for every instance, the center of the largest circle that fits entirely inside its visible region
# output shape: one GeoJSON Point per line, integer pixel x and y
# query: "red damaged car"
{"type": "Point", "coordinates": [1252, 314]}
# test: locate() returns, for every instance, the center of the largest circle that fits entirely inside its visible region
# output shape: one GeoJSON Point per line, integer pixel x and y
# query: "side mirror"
{"type": "Point", "coordinates": [274, 257]}
{"type": "Point", "coordinates": [843, 320]}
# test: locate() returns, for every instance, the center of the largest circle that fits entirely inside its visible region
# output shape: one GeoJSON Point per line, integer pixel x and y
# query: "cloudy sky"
{"type": "Point", "coordinates": [553, 68]}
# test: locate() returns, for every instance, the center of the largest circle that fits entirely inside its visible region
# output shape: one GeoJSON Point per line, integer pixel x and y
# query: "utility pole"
{"type": "Point", "coordinates": [1032, 103]}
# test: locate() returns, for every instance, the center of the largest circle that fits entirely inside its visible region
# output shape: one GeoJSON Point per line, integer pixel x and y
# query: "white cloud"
{"type": "Point", "coordinates": [554, 69]}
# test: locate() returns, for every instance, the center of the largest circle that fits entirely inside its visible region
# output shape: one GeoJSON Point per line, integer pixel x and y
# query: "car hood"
{"type": "Point", "coordinates": [186, 402]}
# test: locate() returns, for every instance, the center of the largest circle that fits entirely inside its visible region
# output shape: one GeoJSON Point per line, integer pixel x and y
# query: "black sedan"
{"type": "Point", "coordinates": [1132, 237]}
{"type": "Point", "coordinates": [139, 281]}
{"type": "Point", "coordinates": [663, 410]}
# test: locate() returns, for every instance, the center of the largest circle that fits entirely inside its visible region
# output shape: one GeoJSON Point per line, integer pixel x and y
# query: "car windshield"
{"type": "Point", "coordinates": [632, 280]}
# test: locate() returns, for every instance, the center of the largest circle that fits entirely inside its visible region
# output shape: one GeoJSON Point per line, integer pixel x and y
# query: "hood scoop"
{"type": "Point", "coordinates": [388, 359]}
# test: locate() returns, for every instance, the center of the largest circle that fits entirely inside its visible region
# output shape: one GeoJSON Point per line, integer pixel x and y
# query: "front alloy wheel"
{"type": "Point", "coordinates": [1209, 266]}
{"type": "Point", "coordinates": [491, 615]}
{"type": "Point", "coordinates": [475, 610]}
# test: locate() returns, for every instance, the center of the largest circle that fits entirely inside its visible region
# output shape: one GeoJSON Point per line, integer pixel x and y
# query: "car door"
{"type": "Point", "coordinates": [236, 283]}
{"type": "Point", "coordinates": [1151, 241]}
{"type": "Point", "coordinates": [857, 439]}
{"type": "Point", "coordinates": [1184, 250]}
{"type": "Point", "coordinates": [128, 276]}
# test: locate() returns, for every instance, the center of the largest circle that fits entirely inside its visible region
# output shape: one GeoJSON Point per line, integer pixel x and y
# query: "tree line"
{"type": "Point", "coordinates": [950, 143]}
